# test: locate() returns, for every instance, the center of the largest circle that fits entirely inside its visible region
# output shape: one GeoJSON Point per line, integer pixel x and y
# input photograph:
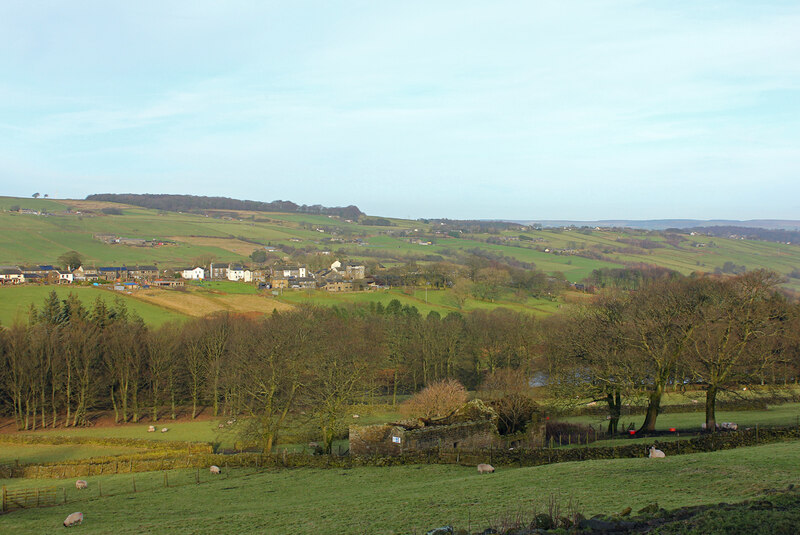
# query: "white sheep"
{"type": "Point", "coordinates": [214, 469]}
{"type": "Point", "coordinates": [656, 454]}
{"type": "Point", "coordinates": [729, 426]}
{"type": "Point", "coordinates": [81, 484]}
{"type": "Point", "coordinates": [485, 468]}
{"type": "Point", "coordinates": [73, 519]}
{"type": "Point", "coordinates": [356, 416]}
{"type": "Point", "coordinates": [151, 429]}
{"type": "Point", "coordinates": [164, 429]}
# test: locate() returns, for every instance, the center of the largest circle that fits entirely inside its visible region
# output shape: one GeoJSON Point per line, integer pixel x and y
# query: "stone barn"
{"type": "Point", "coordinates": [473, 427]}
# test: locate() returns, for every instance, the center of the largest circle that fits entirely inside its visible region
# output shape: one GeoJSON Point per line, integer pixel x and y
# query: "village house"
{"type": "Point", "coordinates": [143, 272]}
{"type": "Point", "coordinates": [111, 273]}
{"type": "Point", "coordinates": [279, 283]}
{"type": "Point", "coordinates": [354, 271]}
{"type": "Point", "coordinates": [167, 283]}
{"type": "Point", "coordinates": [11, 275]}
{"type": "Point", "coordinates": [307, 283]}
{"type": "Point", "coordinates": [343, 286]}
{"type": "Point", "coordinates": [85, 274]}
{"type": "Point", "coordinates": [218, 271]}
{"type": "Point", "coordinates": [287, 272]}
{"type": "Point", "coordinates": [237, 272]}
{"type": "Point", "coordinates": [40, 270]}
{"type": "Point", "coordinates": [197, 273]}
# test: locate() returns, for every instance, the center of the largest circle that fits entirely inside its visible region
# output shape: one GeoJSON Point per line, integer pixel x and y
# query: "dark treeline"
{"type": "Point", "coordinates": [69, 360]}
{"type": "Point", "coordinates": [188, 203]}
{"type": "Point", "coordinates": [764, 234]}
{"type": "Point", "coordinates": [714, 333]}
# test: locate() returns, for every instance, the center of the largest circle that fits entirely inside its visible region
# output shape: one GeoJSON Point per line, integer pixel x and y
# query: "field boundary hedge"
{"type": "Point", "coordinates": [148, 462]}
{"type": "Point", "coordinates": [601, 409]}
{"type": "Point", "coordinates": [158, 445]}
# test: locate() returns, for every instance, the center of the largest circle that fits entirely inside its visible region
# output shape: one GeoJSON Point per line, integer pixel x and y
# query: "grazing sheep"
{"type": "Point", "coordinates": [231, 422]}
{"type": "Point", "coordinates": [73, 519]}
{"type": "Point", "coordinates": [164, 429]}
{"type": "Point", "coordinates": [728, 426]}
{"type": "Point", "coordinates": [485, 468]}
{"type": "Point", "coordinates": [656, 454]}
{"type": "Point", "coordinates": [356, 416]}
{"type": "Point", "coordinates": [221, 426]}
{"type": "Point", "coordinates": [214, 469]}
{"type": "Point", "coordinates": [151, 429]}
{"type": "Point", "coordinates": [81, 484]}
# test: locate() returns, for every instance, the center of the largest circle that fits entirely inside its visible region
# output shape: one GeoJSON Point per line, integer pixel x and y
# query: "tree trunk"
{"type": "Point", "coordinates": [711, 406]}
{"type": "Point", "coordinates": [653, 406]}
{"type": "Point", "coordinates": [614, 411]}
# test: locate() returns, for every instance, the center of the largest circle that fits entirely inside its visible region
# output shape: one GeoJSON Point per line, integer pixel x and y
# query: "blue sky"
{"type": "Point", "coordinates": [503, 109]}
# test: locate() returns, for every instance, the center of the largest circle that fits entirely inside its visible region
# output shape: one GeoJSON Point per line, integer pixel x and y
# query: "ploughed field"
{"type": "Point", "coordinates": [403, 499]}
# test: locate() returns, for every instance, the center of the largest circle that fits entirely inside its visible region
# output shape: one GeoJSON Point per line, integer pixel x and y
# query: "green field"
{"type": "Point", "coordinates": [407, 499]}
{"type": "Point", "coordinates": [193, 431]}
{"type": "Point", "coordinates": [49, 453]}
{"type": "Point", "coordinates": [16, 300]}
{"type": "Point", "coordinates": [432, 300]}
{"type": "Point", "coordinates": [41, 239]}
{"type": "Point", "coordinates": [785, 414]}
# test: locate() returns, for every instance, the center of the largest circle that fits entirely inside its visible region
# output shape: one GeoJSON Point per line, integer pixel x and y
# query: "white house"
{"type": "Point", "coordinates": [11, 275]}
{"type": "Point", "coordinates": [237, 272]}
{"type": "Point", "coordinates": [291, 271]}
{"type": "Point", "coordinates": [197, 273]}
{"type": "Point", "coordinates": [65, 277]}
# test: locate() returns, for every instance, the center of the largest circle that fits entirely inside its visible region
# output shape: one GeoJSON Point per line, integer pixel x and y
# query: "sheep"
{"type": "Point", "coordinates": [728, 426]}
{"type": "Point", "coordinates": [73, 519]}
{"type": "Point", "coordinates": [485, 468]}
{"type": "Point", "coordinates": [221, 426]}
{"type": "Point", "coordinates": [656, 454]}
{"type": "Point", "coordinates": [151, 429]}
{"type": "Point", "coordinates": [214, 469]}
{"type": "Point", "coordinates": [356, 416]}
{"type": "Point", "coordinates": [81, 484]}
{"type": "Point", "coordinates": [164, 429]}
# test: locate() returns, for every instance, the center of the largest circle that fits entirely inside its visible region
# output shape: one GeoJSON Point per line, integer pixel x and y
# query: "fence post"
{"type": "Point", "coordinates": [197, 476]}
{"type": "Point", "coordinates": [3, 505]}
{"type": "Point", "coordinates": [65, 495]}
{"type": "Point", "coordinates": [166, 482]}
{"type": "Point", "coordinates": [134, 483]}
{"type": "Point", "coordinates": [100, 487]}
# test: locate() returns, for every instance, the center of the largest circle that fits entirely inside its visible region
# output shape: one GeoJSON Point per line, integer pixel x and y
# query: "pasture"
{"type": "Point", "coordinates": [15, 301]}
{"type": "Point", "coordinates": [403, 499]}
{"type": "Point", "coordinates": [49, 453]}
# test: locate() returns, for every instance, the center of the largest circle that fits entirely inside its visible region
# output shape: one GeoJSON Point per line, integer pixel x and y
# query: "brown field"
{"type": "Point", "coordinates": [197, 304]}
{"type": "Point", "coordinates": [229, 244]}
{"type": "Point", "coordinates": [91, 205]}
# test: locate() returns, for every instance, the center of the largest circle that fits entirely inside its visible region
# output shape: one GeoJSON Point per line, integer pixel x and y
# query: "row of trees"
{"type": "Point", "coordinates": [314, 363]}
{"type": "Point", "coordinates": [719, 333]}
{"type": "Point", "coordinates": [69, 360]}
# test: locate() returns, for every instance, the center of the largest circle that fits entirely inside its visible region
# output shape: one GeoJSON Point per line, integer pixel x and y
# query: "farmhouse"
{"type": "Point", "coordinates": [197, 273]}
{"type": "Point", "coordinates": [287, 272]}
{"type": "Point", "coordinates": [11, 275]}
{"type": "Point", "coordinates": [472, 427]}
{"type": "Point", "coordinates": [85, 274]}
{"type": "Point", "coordinates": [143, 272]}
{"type": "Point", "coordinates": [237, 272]}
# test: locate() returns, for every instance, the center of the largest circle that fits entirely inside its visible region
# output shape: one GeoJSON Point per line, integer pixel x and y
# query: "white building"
{"type": "Point", "coordinates": [238, 273]}
{"type": "Point", "coordinates": [197, 273]}
{"type": "Point", "coordinates": [65, 277]}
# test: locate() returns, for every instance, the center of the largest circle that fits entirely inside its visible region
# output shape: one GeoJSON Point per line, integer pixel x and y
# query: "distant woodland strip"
{"type": "Point", "coordinates": [188, 203]}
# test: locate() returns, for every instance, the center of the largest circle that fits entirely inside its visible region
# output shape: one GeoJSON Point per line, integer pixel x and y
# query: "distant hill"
{"type": "Point", "coordinates": [189, 203]}
{"type": "Point", "coordinates": [663, 224]}
{"type": "Point", "coordinates": [749, 233]}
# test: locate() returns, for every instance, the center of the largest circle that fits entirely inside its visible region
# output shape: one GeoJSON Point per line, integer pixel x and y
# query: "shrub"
{"type": "Point", "coordinates": [436, 400]}
{"type": "Point", "coordinates": [514, 412]}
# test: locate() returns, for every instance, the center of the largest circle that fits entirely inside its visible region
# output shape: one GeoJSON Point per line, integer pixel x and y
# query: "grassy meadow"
{"type": "Point", "coordinates": [405, 499]}
{"type": "Point", "coordinates": [15, 301]}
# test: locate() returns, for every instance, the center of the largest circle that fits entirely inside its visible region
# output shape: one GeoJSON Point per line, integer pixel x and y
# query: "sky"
{"type": "Point", "coordinates": [525, 110]}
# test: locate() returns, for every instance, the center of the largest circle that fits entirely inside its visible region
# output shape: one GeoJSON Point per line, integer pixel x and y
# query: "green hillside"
{"type": "Point", "coordinates": [231, 236]}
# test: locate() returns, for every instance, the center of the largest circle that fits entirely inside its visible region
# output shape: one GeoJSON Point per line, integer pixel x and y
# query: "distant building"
{"type": "Point", "coordinates": [218, 271]}
{"type": "Point", "coordinates": [197, 273]}
{"type": "Point", "coordinates": [237, 273]}
{"type": "Point", "coordinates": [11, 275]}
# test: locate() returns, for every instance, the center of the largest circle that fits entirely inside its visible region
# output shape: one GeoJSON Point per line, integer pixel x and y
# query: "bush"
{"type": "Point", "coordinates": [436, 400]}
{"type": "Point", "coordinates": [514, 413]}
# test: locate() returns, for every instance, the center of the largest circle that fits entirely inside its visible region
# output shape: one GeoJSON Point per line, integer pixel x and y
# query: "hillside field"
{"type": "Point", "coordinates": [404, 499]}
